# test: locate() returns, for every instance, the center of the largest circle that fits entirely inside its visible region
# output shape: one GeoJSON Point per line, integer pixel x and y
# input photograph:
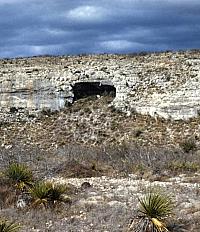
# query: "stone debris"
{"type": "Point", "coordinates": [121, 194]}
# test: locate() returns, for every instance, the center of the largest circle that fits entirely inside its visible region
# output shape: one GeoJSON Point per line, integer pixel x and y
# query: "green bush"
{"type": "Point", "coordinates": [47, 194]}
{"type": "Point", "coordinates": [20, 175]}
{"type": "Point", "coordinates": [154, 208]}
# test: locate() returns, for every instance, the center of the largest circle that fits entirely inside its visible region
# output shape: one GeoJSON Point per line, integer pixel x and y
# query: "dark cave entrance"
{"type": "Point", "coordinates": [86, 89]}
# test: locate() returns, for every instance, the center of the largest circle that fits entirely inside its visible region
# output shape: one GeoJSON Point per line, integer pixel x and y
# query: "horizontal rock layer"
{"type": "Point", "coordinates": [160, 84]}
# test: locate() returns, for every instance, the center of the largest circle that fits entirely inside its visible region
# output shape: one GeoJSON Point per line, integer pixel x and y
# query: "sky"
{"type": "Point", "coordinates": [69, 27]}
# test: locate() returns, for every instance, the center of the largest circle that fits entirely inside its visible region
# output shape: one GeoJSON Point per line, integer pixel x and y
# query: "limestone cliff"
{"type": "Point", "coordinates": [160, 84]}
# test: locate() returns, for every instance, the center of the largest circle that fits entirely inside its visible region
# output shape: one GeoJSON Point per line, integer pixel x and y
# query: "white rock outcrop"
{"type": "Point", "coordinates": [160, 84]}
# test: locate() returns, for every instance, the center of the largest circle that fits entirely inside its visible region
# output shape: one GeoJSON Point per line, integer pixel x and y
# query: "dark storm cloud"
{"type": "Point", "coordinates": [38, 27]}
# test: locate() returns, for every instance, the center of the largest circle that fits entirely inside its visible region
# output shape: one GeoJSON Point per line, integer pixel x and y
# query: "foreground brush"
{"type": "Point", "coordinates": [154, 208]}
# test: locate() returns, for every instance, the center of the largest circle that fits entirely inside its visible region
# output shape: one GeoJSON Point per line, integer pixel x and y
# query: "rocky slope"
{"type": "Point", "coordinates": [108, 141]}
{"type": "Point", "coordinates": [92, 122]}
{"type": "Point", "coordinates": [160, 84]}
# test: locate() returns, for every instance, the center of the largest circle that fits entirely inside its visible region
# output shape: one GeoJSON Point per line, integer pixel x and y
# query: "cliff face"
{"type": "Point", "coordinates": [164, 84]}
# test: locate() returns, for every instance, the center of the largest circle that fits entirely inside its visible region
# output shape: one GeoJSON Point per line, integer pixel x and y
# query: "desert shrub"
{"type": "Point", "coordinates": [48, 194]}
{"type": "Point", "coordinates": [6, 226]}
{"type": "Point", "coordinates": [178, 166]}
{"type": "Point", "coordinates": [20, 175]}
{"type": "Point", "coordinates": [40, 193]}
{"type": "Point", "coordinates": [56, 193]}
{"type": "Point", "coordinates": [154, 208]}
{"type": "Point", "coordinates": [140, 168]}
{"type": "Point", "coordinates": [188, 145]}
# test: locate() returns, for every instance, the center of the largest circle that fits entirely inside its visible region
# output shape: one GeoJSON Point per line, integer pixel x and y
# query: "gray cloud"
{"type": "Point", "coordinates": [37, 27]}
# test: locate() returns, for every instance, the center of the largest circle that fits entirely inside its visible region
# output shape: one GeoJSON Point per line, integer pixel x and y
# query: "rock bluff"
{"type": "Point", "coordinates": [160, 84]}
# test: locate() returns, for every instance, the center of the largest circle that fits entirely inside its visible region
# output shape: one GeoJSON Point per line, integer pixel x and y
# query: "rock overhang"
{"type": "Point", "coordinates": [165, 84]}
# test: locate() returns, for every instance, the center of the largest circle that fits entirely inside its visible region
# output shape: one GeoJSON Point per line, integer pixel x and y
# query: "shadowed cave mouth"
{"type": "Point", "coordinates": [86, 89]}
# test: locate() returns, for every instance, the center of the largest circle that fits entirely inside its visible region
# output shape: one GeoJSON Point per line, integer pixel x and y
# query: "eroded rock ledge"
{"type": "Point", "coordinates": [160, 84]}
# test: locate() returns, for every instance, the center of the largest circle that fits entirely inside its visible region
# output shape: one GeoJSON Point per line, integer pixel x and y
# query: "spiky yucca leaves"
{"type": "Point", "coordinates": [156, 205]}
{"type": "Point", "coordinates": [40, 193]}
{"type": "Point", "coordinates": [47, 193]}
{"type": "Point", "coordinates": [56, 193]}
{"type": "Point", "coordinates": [20, 175]}
{"type": "Point", "coordinates": [8, 226]}
{"type": "Point", "coordinates": [154, 208]}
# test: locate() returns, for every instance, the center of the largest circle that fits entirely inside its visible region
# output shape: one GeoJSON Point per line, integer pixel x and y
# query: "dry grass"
{"type": "Point", "coordinates": [91, 121]}
{"type": "Point", "coordinates": [79, 162]}
{"type": "Point", "coordinates": [8, 194]}
{"type": "Point", "coordinates": [88, 141]}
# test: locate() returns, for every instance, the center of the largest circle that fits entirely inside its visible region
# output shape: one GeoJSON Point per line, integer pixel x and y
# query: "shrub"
{"type": "Point", "coordinates": [47, 194]}
{"type": "Point", "coordinates": [153, 209]}
{"type": "Point", "coordinates": [8, 226]}
{"type": "Point", "coordinates": [20, 175]}
{"type": "Point", "coordinates": [56, 193]}
{"type": "Point", "coordinates": [179, 166]}
{"type": "Point", "coordinates": [40, 192]}
{"type": "Point", "coordinates": [46, 112]}
{"type": "Point", "coordinates": [188, 145]}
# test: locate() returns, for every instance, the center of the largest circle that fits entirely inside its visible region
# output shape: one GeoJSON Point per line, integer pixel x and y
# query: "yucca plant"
{"type": "Point", "coordinates": [40, 193]}
{"type": "Point", "coordinates": [56, 193]}
{"type": "Point", "coordinates": [20, 175]}
{"type": "Point", "coordinates": [154, 208]}
{"type": "Point", "coordinates": [6, 226]}
{"type": "Point", "coordinates": [47, 193]}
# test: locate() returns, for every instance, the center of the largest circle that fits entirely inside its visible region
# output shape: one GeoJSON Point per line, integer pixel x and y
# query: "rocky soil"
{"type": "Point", "coordinates": [91, 121]}
{"type": "Point", "coordinates": [91, 142]}
{"type": "Point", "coordinates": [109, 204]}
{"type": "Point", "coordinates": [110, 158]}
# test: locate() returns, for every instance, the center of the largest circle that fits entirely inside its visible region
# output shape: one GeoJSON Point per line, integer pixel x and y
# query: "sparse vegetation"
{"type": "Point", "coordinates": [79, 161]}
{"type": "Point", "coordinates": [48, 194]}
{"type": "Point", "coordinates": [154, 207]}
{"type": "Point", "coordinates": [20, 175]}
{"type": "Point", "coordinates": [115, 154]}
{"type": "Point", "coordinates": [180, 166]}
{"type": "Point", "coordinates": [188, 145]}
{"type": "Point", "coordinates": [6, 226]}
{"type": "Point", "coordinates": [7, 193]}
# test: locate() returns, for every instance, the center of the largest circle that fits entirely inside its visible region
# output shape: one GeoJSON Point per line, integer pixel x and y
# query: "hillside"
{"type": "Point", "coordinates": [157, 84]}
{"type": "Point", "coordinates": [94, 137]}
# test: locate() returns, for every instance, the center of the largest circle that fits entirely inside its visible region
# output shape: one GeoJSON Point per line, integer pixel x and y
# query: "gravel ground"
{"type": "Point", "coordinates": [106, 204]}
